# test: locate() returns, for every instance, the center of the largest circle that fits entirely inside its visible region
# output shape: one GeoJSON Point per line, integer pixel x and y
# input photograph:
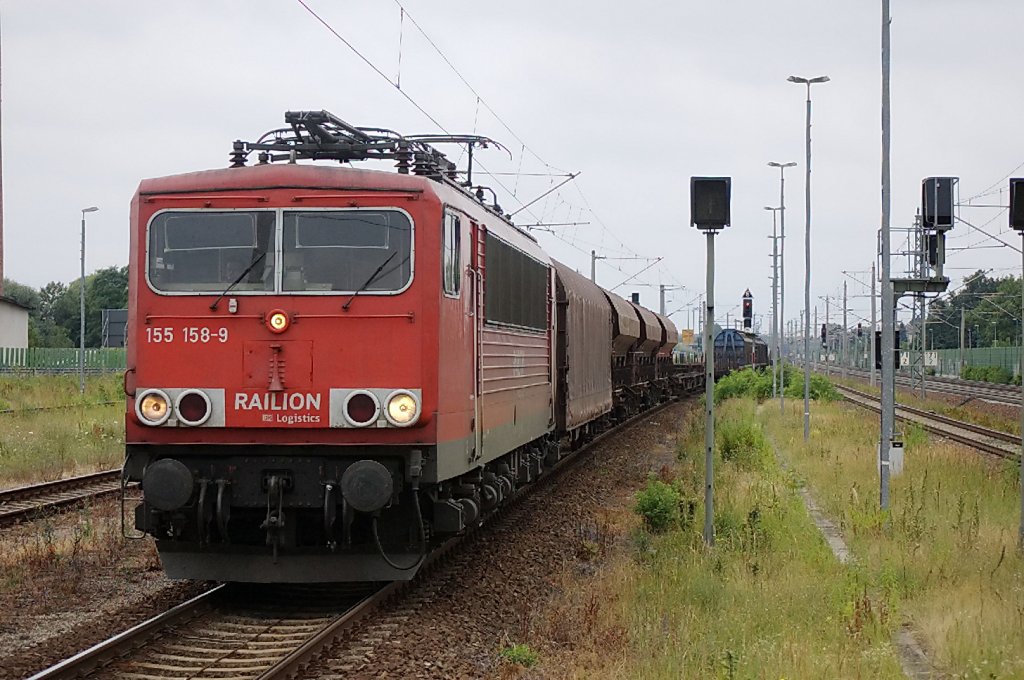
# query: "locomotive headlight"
{"type": "Point", "coordinates": [278, 321]}
{"type": "Point", "coordinates": [402, 409]}
{"type": "Point", "coordinates": [153, 407]}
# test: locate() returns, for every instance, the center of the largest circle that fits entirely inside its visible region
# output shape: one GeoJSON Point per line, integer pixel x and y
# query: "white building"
{"type": "Point", "coordinates": [13, 323]}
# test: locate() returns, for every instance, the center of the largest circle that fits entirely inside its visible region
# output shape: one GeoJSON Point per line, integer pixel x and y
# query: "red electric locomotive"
{"type": "Point", "coordinates": [331, 367]}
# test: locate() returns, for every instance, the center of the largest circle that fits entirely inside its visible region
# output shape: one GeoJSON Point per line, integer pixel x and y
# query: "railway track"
{"type": "Point", "coordinates": [242, 631]}
{"type": "Point", "coordinates": [62, 407]}
{"type": "Point", "coordinates": [24, 502]}
{"type": "Point", "coordinates": [970, 389]}
{"type": "Point", "coordinates": [230, 631]}
{"type": "Point", "coordinates": [993, 442]}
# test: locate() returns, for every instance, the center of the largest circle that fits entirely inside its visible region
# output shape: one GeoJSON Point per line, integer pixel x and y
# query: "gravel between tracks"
{"type": "Point", "coordinates": [504, 585]}
{"type": "Point", "coordinates": [70, 581]}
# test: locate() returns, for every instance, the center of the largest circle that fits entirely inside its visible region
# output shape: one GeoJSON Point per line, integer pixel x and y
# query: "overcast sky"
{"type": "Point", "coordinates": [637, 96]}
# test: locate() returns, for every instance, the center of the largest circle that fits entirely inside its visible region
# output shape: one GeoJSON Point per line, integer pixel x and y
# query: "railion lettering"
{"type": "Point", "coordinates": [278, 401]}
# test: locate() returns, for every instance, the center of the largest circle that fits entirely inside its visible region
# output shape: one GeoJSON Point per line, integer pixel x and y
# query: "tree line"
{"type": "Point", "coordinates": [991, 313]}
{"type": "Point", "coordinates": [54, 309]}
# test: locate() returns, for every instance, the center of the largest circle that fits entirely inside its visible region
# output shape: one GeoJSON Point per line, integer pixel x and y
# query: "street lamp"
{"type": "Point", "coordinates": [81, 309]}
{"type": "Point", "coordinates": [807, 252]}
{"type": "Point", "coordinates": [782, 272]}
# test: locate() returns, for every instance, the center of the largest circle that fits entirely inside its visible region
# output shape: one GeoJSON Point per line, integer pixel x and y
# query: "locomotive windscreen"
{"type": "Point", "coordinates": [205, 251]}
{"type": "Point", "coordinates": [339, 250]}
{"type": "Point", "coordinates": [362, 229]}
{"type": "Point", "coordinates": [191, 231]}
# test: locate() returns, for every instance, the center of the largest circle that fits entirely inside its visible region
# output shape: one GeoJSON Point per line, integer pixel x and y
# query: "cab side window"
{"type": "Point", "coordinates": [451, 267]}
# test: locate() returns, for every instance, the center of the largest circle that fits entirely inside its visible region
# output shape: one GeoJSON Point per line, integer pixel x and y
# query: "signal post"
{"type": "Point", "coordinates": [1017, 222]}
{"type": "Point", "coordinates": [709, 212]}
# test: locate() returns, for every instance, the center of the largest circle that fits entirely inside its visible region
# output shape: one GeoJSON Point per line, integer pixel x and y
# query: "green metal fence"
{"type": "Point", "coordinates": [949, 359]}
{"type": "Point", "coordinates": [60, 360]}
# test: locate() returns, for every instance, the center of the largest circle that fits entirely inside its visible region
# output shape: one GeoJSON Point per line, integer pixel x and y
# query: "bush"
{"type": "Point", "coordinates": [741, 442]}
{"type": "Point", "coordinates": [520, 655]}
{"type": "Point", "coordinates": [658, 504]}
{"type": "Point", "coordinates": [748, 382]}
{"type": "Point", "coordinates": [757, 384]}
{"type": "Point", "coordinates": [992, 374]}
{"type": "Point", "coordinates": [821, 388]}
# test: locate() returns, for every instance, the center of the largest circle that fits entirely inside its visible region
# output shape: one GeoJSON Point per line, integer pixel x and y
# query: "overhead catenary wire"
{"type": "Point", "coordinates": [636, 275]}
{"type": "Point", "coordinates": [524, 147]}
{"type": "Point", "coordinates": [997, 185]}
{"type": "Point", "coordinates": [571, 177]}
{"type": "Point", "coordinates": [405, 94]}
{"type": "Point", "coordinates": [994, 238]}
{"type": "Point", "coordinates": [472, 89]}
{"type": "Point", "coordinates": [404, 14]}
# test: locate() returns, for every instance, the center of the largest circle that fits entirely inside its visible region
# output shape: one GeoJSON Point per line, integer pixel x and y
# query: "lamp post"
{"type": "Point", "coordinates": [807, 250]}
{"type": "Point", "coordinates": [81, 308]}
{"type": "Point", "coordinates": [782, 272]}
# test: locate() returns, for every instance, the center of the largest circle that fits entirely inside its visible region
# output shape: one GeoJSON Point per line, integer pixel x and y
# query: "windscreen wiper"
{"type": "Point", "coordinates": [252, 265]}
{"type": "Point", "coordinates": [370, 280]}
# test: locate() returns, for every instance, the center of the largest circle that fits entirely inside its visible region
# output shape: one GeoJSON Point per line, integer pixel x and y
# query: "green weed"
{"type": "Point", "coordinates": [520, 655]}
{"type": "Point", "coordinates": [658, 504]}
{"type": "Point", "coordinates": [992, 374]}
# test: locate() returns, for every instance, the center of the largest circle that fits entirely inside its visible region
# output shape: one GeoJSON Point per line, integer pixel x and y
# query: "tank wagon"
{"type": "Point", "coordinates": [331, 369]}
{"type": "Point", "coordinates": [736, 349]}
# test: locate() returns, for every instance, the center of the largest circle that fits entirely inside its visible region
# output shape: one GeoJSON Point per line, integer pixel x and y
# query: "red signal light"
{"type": "Point", "coordinates": [361, 409]}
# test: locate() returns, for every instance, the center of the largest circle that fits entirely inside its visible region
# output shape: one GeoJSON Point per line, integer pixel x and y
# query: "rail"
{"type": "Point", "coordinates": [987, 440]}
{"type": "Point", "coordinates": [265, 632]}
{"type": "Point", "coordinates": [972, 389]}
{"type": "Point", "coordinates": [59, 407]}
{"type": "Point", "coordinates": [24, 502]}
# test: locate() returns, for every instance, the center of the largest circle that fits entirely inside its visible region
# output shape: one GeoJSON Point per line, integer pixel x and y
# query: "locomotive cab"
{"type": "Point", "coordinates": [281, 397]}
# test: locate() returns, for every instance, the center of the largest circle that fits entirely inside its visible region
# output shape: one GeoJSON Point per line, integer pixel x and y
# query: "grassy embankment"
{"type": "Point", "coordinates": [770, 600]}
{"type": "Point", "coordinates": [43, 445]}
{"type": "Point", "coordinates": [947, 563]}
